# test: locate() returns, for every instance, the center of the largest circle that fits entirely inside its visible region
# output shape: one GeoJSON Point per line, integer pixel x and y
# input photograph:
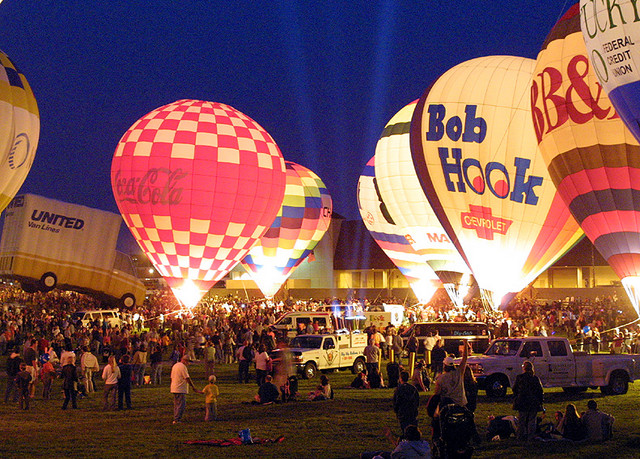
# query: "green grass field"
{"type": "Point", "coordinates": [341, 428]}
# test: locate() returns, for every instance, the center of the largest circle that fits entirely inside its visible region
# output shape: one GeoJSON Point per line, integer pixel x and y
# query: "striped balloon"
{"type": "Point", "coordinates": [593, 159]}
{"type": "Point", "coordinates": [391, 237]}
{"type": "Point", "coordinates": [410, 208]}
{"type": "Point", "coordinates": [302, 221]}
{"type": "Point", "coordinates": [19, 130]}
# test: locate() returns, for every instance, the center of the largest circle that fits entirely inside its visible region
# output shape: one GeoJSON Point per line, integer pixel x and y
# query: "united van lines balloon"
{"type": "Point", "coordinates": [612, 36]}
{"type": "Point", "coordinates": [301, 222]}
{"type": "Point", "coordinates": [19, 129]}
{"type": "Point", "coordinates": [592, 158]}
{"type": "Point", "coordinates": [198, 183]}
{"type": "Point", "coordinates": [391, 239]}
{"type": "Point", "coordinates": [410, 208]}
{"type": "Point", "coordinates": [475, 153]}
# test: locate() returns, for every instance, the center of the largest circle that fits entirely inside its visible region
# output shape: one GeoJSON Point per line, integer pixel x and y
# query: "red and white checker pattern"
{"type": "Point", "coordinates": [197, 183]}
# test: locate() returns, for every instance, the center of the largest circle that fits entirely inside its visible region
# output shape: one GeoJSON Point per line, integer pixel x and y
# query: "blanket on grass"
{"type": "Point", "coordinates": [235, 441]}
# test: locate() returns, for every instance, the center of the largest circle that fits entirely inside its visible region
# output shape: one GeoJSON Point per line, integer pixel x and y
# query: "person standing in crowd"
{"type": "Point", "coordinates": [13, 368]}
{"type": "Point", "coordinates": [438, 355]}
{"type": "Point", "coordinates": [245, 357]}
{"type": "Point", "coordinates": [88, 365]}
{"type": "Point", "coordinates": [406, 401]}
{"type": "Point", "coordinates": [529, 397]}
{"type": "Point", "coordinates": [110, 376]}
{"type": "Point", "coordinates": [124, 383]}
{"type": "Point", "coordinates": [139, 363]}
{"type": "Point", "coordinates": [211, 393]}
{"type": "Point", "coordinates": [372, 357]}
{"type": "Point", "coordinates": [263, 364]}
{"type": "Point", "coordinates": [23, 381]}
{"type": "Point", "coordinates": [156, 366]}
{"type": "Point", "coordinates": [69, 380]}
{"type": "Point", "coordinates": [397, 347]}
{"type": "Point", "coordinates": [450, 384]}
{"type": "Point", "coordinates": [180, 382]}
{"type": "Point", "coordinates": [209, 354]}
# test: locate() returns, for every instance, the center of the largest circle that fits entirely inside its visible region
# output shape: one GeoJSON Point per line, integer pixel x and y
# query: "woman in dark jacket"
{"type": "Point", "coordinates": [528, 401]}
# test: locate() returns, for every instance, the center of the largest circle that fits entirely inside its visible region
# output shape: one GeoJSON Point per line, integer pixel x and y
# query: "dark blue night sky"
{"type": "Point", "coordinates": [322, 77]}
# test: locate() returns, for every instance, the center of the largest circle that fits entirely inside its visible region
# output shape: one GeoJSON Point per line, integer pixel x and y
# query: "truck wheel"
{"type": "Point", "coordinates": [358, 366]}
{"type": "Point", "coordinates": [48, 281]}
{"type": "Point", "coordinates": [618, 384]}
{"type": "Point", "coordinates": [128, 300]}
{"type": "Point", "coordinates": [310, 370]}
{"type": "Point", "coordinates": [497, 386]}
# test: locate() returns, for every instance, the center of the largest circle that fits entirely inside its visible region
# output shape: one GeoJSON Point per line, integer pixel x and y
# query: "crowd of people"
{"type": "Point", "coordinates": [42, 340]}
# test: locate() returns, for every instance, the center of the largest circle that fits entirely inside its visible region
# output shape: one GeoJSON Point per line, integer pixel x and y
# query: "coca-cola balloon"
{"type": "Point", "coordinates": [198, 183]}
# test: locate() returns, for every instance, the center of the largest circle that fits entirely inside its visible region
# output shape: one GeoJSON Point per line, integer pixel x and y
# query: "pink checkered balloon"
{"type": "Point", "coordinates": [197, 183]}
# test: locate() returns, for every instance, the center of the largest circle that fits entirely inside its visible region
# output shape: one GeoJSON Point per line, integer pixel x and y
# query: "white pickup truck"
{"type": "Point", "coordinates": [325, 352]}
{"type": "Point", "coordinates": [555, 364]}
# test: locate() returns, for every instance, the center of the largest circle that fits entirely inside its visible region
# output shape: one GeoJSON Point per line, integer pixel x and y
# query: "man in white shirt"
{"type": "Point", "coordinates": [180, 382]}
{"type": "Point", "coordinates": [88, 365]}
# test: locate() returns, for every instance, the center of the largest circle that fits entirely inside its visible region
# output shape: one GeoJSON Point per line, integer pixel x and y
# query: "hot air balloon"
{"type": "Point", "coordinates": [19, 130]}
{"type": "Point", "coordinates": [198, 183]}
{"type": "Point", "coordinates": [612, 36]}
{"type": "Point", "coordinates": [423, 280]}
{"type": "Point", "coordinates": [593, 159]}
{"type": "Point", "coordinates": [410, 208]}
{"type": "Point", "coordinates": [475, 153]}
{"type": "Point", "coordinates": [301, 222]}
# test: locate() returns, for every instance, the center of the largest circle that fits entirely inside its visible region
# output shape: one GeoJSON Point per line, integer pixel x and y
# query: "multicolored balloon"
{"type": "Point", "coordinates": [198, 183]}
{"type": "Point", "coordinates": [301, 222]}
{"type": "Point", "coordinates": [612, 36]}
{"type": "Point", "coordinates": [593, 159]}
{"type": "Point", "coordinates": [423, 280]}
{"type": "Point", "coordinates": [19, 130]}
{"type": "Point", "coordinates": [476, 155]}
{"type": "Point", "coordinates": [410, 209]}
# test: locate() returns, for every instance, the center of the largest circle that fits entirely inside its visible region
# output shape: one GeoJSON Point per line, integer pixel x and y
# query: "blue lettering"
{"type": "Point", "coordinates": [522, 186]}
{"type": "Point", "coordinates": [452, 168]}
{"type": "Point", "coordinates": [436, 127]}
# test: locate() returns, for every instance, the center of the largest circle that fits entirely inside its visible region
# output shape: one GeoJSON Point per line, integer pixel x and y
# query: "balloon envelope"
{"type": "Point", "coordinates": [391, 238]}
{"type": "Point", "coordinates": [409, 207]}
{"type": "Point", "coordinates": [593, 159]}
{"type": "Point", "coordinates": [476, 156]}
{"type": "Point", "coordinates": [303, 218]}
{"type": "Point", "coordinates": [198, 183]}
{"type": "Point", "coordinates": [612, 38]}
{"type": "Point", "coordinates": [19, 130]}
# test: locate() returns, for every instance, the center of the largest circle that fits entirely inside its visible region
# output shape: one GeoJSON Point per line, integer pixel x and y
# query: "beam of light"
{"type": "Point", "coordinates": [381, 73]}
{"type": "Point", "coordinates": [299, 74]}
{"type": "Point", "coordinates": [188, 294]}
{"type": "Point", "coordinates": [631, 285]}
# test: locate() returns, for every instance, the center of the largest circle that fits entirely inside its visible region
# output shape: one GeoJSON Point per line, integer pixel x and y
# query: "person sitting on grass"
{"type": "Point", "coordinates": [597, 424]}
{"type": "Point", "coordinates": [571, 426]}
{"type": "Point", "coordinates": [323, 390]}
{"type": "Point", "coordinates": [361, 381]}
{"type": "Point", "coordinates": [409, 445]}
{"type": "Point", "coordinates": [267, 393]}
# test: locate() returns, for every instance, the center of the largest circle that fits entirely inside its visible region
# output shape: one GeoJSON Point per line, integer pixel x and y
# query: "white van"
{"type": "Point", "coordinates": [111, 316]}
{"type": "Point", "coordinates": [289, 324]}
